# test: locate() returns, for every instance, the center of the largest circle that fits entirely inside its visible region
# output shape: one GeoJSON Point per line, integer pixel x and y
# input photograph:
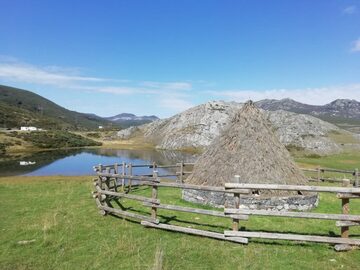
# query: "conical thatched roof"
{"type": "Point", "coordinates": [249, 148]}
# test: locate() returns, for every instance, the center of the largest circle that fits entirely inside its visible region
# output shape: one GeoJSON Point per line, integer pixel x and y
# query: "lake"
{"type": "Point", "coordinates": [81, 161]}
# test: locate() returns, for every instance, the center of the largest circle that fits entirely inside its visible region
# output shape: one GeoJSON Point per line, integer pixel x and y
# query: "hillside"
{"type": "Point", "coordinates": [12, 142]}
{"type": "Point", "coordinates": [129, 119]}
{"type": "Point", "coordinates": [344, 113]}
{"type": "Point", "coordinates": [196, 127]}
{"type": "Point", "coordinates": [24, 108]}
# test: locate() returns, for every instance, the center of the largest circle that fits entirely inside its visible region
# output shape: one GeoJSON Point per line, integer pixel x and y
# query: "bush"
{"type": "Point", "coordinates": [2, 149]}
{"type": "Point", "coordinates": [93, 135]}
{"type": "Point", "coordinates": [56, 139]}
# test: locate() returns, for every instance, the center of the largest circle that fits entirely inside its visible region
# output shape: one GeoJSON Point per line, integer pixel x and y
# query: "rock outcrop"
{"type": "Point", "coordinates": [198, 126]}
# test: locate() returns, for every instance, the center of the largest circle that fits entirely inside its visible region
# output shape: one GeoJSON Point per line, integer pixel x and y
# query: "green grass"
{"type": "Point", "coordinates": [60, 215]}
{"type": "Point", "coordinates": [345, 160]}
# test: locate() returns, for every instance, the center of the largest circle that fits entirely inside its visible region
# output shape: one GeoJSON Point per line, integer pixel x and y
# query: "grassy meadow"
{"type": "Point", "coordinates": [52, 222]}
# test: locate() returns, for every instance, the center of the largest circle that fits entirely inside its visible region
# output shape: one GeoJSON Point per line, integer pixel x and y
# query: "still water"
{"type": "Point", "coordinates": [81, 161]}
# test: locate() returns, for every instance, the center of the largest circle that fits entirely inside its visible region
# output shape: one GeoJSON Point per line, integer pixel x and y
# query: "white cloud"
{"type": "Point", "coordinates": [356, 46]}
{"type": "Point", "coordinates": [11, 69]}
{"type": "Point", "coordinates": [315, 96]}
{"type": "Point", "coordinates": [168, 85]}
{"type": "Point", "coordinates": [112, 89]}
{"type": "Point", "coordinates": [31, 74]}
{"type": "Point", "coordinates": [349, 10]}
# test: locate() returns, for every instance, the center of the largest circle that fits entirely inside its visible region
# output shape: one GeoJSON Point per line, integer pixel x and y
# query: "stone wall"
{"type": "Point", "coordinates": [218, 199]}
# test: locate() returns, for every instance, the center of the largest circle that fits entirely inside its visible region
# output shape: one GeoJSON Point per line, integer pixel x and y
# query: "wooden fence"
{"type": "Point", "coordinates": [108, 190]}
{"type": "Point", "coordinates": [183, 169]}
{"type": "Point", "coordinates": [319, 175]}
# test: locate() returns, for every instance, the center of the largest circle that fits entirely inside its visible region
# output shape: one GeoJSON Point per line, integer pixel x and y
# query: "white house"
{"type": "Point", "coordinates": [101, 127]}
{"type": "Point", "coordinates": [28, 128]}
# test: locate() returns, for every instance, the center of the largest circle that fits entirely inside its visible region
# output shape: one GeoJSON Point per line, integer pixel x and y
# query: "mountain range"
{"type": "Point", "coordinates": [344, 113]}
{"type": "Point", "coordinates": [24, 108]}
{"type": "Point", "coordinates": [129, 119]}
{"type": "Point", "coordinates": [20, 107]}
{"type": "Point", "coordinates": [195, 129]}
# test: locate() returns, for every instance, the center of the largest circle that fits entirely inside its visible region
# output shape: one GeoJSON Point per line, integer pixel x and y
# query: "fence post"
{"type": "Point", "coordinates": [235, 225]}
{"type": "Point", "coordinates": [116, 171]}
{"type": "Point", "coordinates": [130, 173]}
{"type": "Point", "coordinates": [356, 177]}
{"type": "Point", "coordinates": [318, 174]}
{"type": "Point", "coordinates": [345, 209]}
{"type": "Point", "coordinates": [181, 172]}
{"type": "Point", "coordinates": [99, 177]}
{"type": "Point", "coordinates": [100, 184]}
{"type": "Point", "coordinates": [123, 179]}
{"type": "Point", "coordinates": [116, 168]}
{"type": "Point", "coordinates": [107, 181]}
{"type": "Point", "coordinates": [154, 194]}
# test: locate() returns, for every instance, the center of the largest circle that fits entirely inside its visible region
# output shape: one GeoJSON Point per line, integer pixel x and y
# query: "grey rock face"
{"type": "Point", "coordinates": [127, 133]}
{"type": "Point", "coordinates": [219, 200]}
{"type": "Point", "coordinates": [198, 126]}
{"type": "Point", "coordinates": [304, 131]}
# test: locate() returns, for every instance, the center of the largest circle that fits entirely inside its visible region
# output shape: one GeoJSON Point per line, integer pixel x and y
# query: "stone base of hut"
{"type": "Point", "coordinates": [219, 200]}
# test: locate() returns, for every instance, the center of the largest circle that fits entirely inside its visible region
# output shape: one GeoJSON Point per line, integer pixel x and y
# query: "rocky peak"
{"type": "Point", "coordinates": [198, 126]}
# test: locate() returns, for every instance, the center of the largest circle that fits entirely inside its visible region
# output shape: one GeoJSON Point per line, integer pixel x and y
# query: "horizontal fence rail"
{"type": "Point", "coordinates": [321, 177]}
{"type": "Point", "coordinates": [292, 188]}
{"type": "Point", "coordinates": [114, 184]}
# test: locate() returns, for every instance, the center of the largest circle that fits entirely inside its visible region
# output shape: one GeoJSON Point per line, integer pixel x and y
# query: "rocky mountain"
{"type": "Point", "coordinates": [198, 126]}
{"type": "Point", "coordinates": [129, 119]}
{"type": "Point", "coordinates": [344, 113]}
{"type": "Point", "coordinates": [20, 107]}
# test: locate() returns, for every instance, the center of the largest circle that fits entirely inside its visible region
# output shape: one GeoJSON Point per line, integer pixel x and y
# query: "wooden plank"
{"type": "Point", "coordinates": [341, 223]}
{"type": "Point", "coordinates": [195, 232]}
{"type": "Point", "coordinates": [132, 177]}
{"type": "Point", "coordinates": [196, 211]}
{"type": "Point", "coordinates": [294, 237]}
{"type": "Point", "coordinates": [235, 223]}
{"type": "Point", "coordinates": [154, 194]}
{"type": "Point", "coordinates": [129, 196]}
{"type": "Point", "coordinates": [181, 173]}
{"type": "Point", "coordinates": [128, 214]}
{"type": "Point", "coordinates": [345, 211]}
{"type": "Point", "coordinates": [348, 196]}
{"type": "Point", "coordinates": [292, 214]}
{"type": "Point", "coordinates": [336, 170]}
{"type": "Point", "coordinates": [142, 165]}
{"type": "Point", "coordinates": [189, 164]}
{"type": "Point", "coordinates": [167, 175]}
{"type": "Point", "coordinates": [184, 172]}
{"type": "Point", "coordinates": [197, 187]}
{"type": "Point", "coordinates": [167, 166]}
{"type": "Point", "coordinates": [308, 170]}
{"type": "Point", "coordinates": [123, 173]}
{"type": "Point", "coordinates": [131, 174]}
{"type": "Point", "coordinates": [293, 188]}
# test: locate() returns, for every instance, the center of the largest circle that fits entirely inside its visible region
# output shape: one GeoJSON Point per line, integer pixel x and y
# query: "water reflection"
{"type": "Point", "coordinates": [80, 161]}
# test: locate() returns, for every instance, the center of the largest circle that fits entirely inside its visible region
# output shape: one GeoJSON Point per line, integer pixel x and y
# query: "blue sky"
{"type": "Point", "coordinates": [161, 57]}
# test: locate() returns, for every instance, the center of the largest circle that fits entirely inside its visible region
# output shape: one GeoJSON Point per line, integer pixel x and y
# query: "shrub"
{"type": "Point", "coordinates": [56, 139]}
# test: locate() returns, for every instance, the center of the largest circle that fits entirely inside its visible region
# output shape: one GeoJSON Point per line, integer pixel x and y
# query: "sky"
{"type": "Point", "coordinates": [161, 57]}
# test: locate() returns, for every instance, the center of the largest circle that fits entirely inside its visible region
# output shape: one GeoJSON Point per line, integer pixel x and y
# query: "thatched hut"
{"type": "Point", "coordinates": [249, 148]}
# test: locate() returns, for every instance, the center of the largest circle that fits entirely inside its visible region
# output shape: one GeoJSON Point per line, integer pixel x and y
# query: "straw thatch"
{"type": "Point", "coordinates": [249, 148]}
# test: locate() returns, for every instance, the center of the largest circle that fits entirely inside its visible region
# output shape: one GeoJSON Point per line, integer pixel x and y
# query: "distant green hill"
{"type": "Point", "coordinates": [24, 108]}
